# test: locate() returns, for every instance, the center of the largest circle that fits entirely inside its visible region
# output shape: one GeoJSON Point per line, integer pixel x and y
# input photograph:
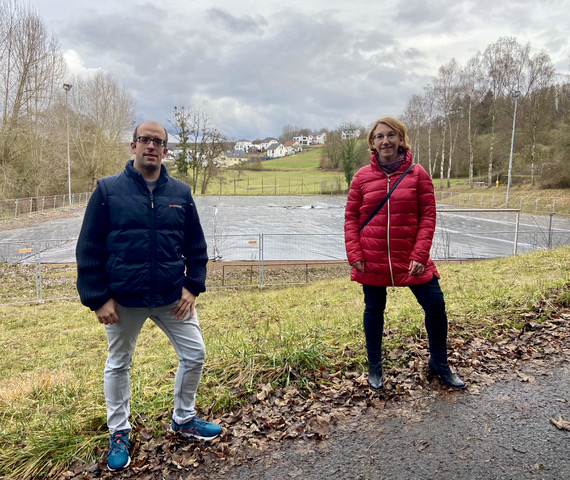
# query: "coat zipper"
{"type": "Point", "coordinates": [388, 231]}
{"type": "Point", "coordinates": [153, 245]}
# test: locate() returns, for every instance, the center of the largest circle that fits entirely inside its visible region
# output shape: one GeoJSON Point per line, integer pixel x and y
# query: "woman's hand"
{"type": "Point", "coordinates": [416, 268]}
{"type": "Point", "coordinates": [359, 266]}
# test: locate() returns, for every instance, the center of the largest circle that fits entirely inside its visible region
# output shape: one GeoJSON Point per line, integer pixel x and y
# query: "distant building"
{"type": "Point", "coordinates": [256, 146]}
{"type": "Point", "coordinates": [317, 138]}
{"type": "Point", "coordinates": [243, 145]}
{"type": "Point", "coordinates": [267, 142]}
{"type": "Point", "coordinates": [311, 139]}
{"type": "Point", "coordinates": [347, 134]}
{"type": "Point", "coordinates": [231, 158]}
{"type": "Point", "coordinates": [292, 146]}
{"type": "Point", "coordinates": [276, 150]}
{"type": "Point", "coordinates": [302, 139]}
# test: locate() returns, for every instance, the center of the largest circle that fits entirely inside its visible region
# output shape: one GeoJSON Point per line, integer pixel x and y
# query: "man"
{"type": "Point", "coordinates": [142, 254]}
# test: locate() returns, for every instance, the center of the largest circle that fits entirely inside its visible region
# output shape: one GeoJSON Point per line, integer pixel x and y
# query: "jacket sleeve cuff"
{"type": "Point", "coordinates": [195, 288]}
{"type": "Point", "coordinates": [96, 304]}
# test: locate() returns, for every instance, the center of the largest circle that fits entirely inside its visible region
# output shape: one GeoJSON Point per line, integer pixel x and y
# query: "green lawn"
{"type": "Point", "coordinates": [53, 354]}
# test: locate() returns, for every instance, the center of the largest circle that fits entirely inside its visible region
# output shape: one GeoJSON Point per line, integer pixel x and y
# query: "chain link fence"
{"type": "Point", "coordinates": [14, 208]}
{"type": "Point", "coordinates": [19, 207]}
{"type": "Point", "coordinates": [32, 272]}
{"type": "Point", "coordinates": [527, 204]}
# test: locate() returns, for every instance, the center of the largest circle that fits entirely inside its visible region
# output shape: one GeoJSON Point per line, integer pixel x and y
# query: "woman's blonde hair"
{"type": "Point", "coordinates": [395, 125]}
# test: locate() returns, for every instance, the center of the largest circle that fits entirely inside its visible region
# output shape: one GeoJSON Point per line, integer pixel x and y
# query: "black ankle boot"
{"type": "Point", "coordinates": [375, 375]}
{"type": "Point", "coordinates": [442, 369]}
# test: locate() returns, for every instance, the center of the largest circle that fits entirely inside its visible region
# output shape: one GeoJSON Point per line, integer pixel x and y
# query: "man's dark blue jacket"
{"type": "Point", "coordinates": [137, 247]}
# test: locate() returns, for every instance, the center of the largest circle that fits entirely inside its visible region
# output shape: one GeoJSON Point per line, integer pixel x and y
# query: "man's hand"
{"type": "Point", "coordinates": [416, 268]}
{"type": "Point", "coordinates": [184, 305]}
{"type": "Point", "coordinates": [107, 314]}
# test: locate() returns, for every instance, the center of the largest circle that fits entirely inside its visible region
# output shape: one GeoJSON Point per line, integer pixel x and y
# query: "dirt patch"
{"type": "Point", "coordinates": [27, 221]}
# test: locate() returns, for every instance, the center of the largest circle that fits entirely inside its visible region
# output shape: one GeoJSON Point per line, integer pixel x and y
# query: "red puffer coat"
{"type": "Point", "coordinates": [400, 232]}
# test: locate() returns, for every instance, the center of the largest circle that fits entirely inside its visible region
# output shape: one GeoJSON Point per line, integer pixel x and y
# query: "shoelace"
{"type": "Point", "coordinates": [120, 440]}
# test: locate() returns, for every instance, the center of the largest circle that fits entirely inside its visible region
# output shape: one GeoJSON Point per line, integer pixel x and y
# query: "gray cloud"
{"type": "Point", "coordinates": [270, 65]}
{"type": "Point", "coordinates": [236, 25]}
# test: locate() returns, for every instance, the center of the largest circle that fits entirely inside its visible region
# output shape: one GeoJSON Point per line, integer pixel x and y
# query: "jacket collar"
{"type": "Point", "coordinates": [135, 174]}
{"type": "Point", "coordinates": [405, 164]}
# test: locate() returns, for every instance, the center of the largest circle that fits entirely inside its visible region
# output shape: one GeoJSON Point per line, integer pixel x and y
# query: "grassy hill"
{"type": "Point", "coordinates": [300, 175]}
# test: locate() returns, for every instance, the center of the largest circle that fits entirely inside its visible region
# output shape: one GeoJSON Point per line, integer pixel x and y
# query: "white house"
{"type": "Point", "coordinates": [243, 145]}
{"type": "Point", "coordinates": [302, 139]}
{"type": "Point", "coordinates": [292, 146]}
{"type": "Point", "coordinates": [276, 150]}
{"type": "Point", "coordinates": [267, 142]}
{"type": "Point", "coordinates": [317, 138]}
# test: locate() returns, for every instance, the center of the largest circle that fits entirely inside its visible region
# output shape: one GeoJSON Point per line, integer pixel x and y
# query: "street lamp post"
{"type": "Point", "coordinates": [516, 96]}
{"type": "Point", "coordinates": [67, 88]}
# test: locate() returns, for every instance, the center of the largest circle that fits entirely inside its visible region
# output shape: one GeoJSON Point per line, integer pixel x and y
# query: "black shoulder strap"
{"type": "Point", "coordinates": [103, 187]}
{"type": "Point", "coordinates": [379, 207]}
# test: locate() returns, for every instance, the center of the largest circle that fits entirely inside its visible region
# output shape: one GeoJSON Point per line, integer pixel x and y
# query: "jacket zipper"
{"type": "Point", "coordinates": [388, 231]}
{"type": "Point", "coordinates": [153, 245]}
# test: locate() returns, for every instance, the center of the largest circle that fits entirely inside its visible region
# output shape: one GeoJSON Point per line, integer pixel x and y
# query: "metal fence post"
{"type": "Point", "coordinates": [38, 269]}
{"type": "Point", "coordinates": [261, 284]}
{"type": "Point", "coordinates": [550, 231]}
{"type": "Point", "coordinates": [515, 248]}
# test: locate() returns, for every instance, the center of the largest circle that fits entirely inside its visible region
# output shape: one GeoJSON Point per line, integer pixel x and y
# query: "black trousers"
{"type": "Point", "coordinates": [428, 295]}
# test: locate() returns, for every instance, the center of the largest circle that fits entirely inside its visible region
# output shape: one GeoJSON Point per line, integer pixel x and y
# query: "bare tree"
{"type": "Point", "coordinates": [348, 151]}
{"type": "Point", "coordinates": [504, 62]}
{"type": "Point", "coordinates": [101, 119]}
{"type": "Point", "coordinates": [414, 116]}
{"type": "Point", "coordinates": [201, 145]}
{"type": "Point", "coordinates": [31, 68]}
{"type": "Point", "coordinates": [538, 97]}
{"type": "Point", "coordinates": [429, 109]}
{"type": "Point", "coordinates": [332, 157]}
{"type": "Point", "coordinates": [473, 88]}
{"type": "Point", "coordinates": [446, 88]}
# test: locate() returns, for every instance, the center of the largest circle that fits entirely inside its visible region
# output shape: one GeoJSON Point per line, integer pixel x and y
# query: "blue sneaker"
{"type": "Point", "coordinates": [118, 456]}
{"type": "Point", "coordinates": [197, 428]}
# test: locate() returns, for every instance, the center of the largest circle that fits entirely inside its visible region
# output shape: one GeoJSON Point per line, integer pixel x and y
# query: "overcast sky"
{"type": "Point", "coordinates": [256, 66]}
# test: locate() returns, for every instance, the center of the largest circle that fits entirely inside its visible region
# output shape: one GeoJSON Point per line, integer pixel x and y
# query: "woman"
{"type": "Point", "coordinates": [393, 248]}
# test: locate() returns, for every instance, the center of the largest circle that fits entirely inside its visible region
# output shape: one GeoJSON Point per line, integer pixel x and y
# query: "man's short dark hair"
{"type": "Point", "coordinates": [135, 135]}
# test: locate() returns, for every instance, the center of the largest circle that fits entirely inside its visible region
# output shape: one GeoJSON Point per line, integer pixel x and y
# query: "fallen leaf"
{"type": "Point", "coordinates": [561, 424]}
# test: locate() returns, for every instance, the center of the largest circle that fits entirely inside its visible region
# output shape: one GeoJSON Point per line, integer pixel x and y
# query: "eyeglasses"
{"type": "Point", "coordinates": [158, 142]}
{"type": "Point", "coordinates": [380, 137]}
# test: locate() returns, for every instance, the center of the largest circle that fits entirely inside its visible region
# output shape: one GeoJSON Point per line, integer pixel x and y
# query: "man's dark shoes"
{"type": "Point", "coordinates": [118, 456]}
{"type": "Point", "coordinates": [375, 376]}
{"type": "Point", "coordinates": [444, 372]}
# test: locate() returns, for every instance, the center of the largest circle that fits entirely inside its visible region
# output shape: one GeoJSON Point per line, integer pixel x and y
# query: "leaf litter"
{"type": "Point", "coordinates": [275, 416]}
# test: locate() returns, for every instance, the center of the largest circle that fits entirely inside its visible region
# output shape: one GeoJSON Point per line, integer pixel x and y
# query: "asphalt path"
{"type": "Point", "coordinates": [303, 228]}
{"type": "Point", "coordinates": [504, 432]}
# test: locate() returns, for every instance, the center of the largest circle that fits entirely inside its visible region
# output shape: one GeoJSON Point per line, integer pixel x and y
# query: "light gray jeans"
{"type": "Point", "coordinates": [186, 338]}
